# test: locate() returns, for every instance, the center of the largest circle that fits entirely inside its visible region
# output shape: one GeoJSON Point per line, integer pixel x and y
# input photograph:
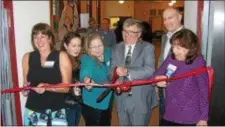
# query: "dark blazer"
{"type": "Point", "coordinates": [163, 46]}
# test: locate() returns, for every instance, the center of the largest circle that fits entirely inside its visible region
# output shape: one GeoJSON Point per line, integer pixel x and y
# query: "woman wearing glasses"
{"type": "Point", "coordinates": [94, 68]}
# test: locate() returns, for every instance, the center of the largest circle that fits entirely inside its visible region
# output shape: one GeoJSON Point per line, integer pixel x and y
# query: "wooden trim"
{"type": "Point", "coordinates": [99, 11]}
{"type": "Point", "coordinates": [90, 8]}
{"type": "Point", "coordinates": [79, 10]}
{"type": "Point", "coordinates": [199, 19]}
{"type": "Point", "coordinates": [51, 14]}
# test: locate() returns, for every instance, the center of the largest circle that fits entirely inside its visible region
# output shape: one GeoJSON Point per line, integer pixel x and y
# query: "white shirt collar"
{"type": "Point", "coordinates": [132, 46]}
{"type": "Point", "coordinates": [168, 45]}
{"type": "Point", "coordinates": [127, 48]}
{"type": "Point", "coordinates": [170, 34]}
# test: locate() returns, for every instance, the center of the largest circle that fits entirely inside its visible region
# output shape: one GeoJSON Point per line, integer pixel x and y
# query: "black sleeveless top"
{"type": "Point", "coordinates": [75, 75]}
{"type": "Point", "coordinates": [51, 75]}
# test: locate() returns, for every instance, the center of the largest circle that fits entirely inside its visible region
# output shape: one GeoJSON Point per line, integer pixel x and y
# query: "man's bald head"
{"type": "Point", "coordinates": [172, 19]}
{"type": "Point", "coordinates": [172, 9]}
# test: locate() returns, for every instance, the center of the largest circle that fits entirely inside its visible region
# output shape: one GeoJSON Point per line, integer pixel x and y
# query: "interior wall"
{"type": "Point", "coordinates": [142, 8]}
{"type": "Point", "coordinates": [190, 15]}
{"type": "Point", "coordinates": [114, 8]}
{"type": "Point", "coordinates": [142, 12]}
{"type": "Point", "coordinates": [26, 14]}
{"type": "Point", "coordinates": [94, 9]}
{"type": "Point", "coordinates": [83, 6]}
{"type": "Point", "coordinates": [137, 9]}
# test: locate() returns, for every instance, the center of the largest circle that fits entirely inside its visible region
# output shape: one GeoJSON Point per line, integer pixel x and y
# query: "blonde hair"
{"type": "Point", "coordinates": [87, 44]}
{"type": "Point", "coordinates": [89, 39]}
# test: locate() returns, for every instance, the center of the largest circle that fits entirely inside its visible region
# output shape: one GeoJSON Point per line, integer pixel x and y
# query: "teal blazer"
{"type": "Point", "coordinates": [97, 71]}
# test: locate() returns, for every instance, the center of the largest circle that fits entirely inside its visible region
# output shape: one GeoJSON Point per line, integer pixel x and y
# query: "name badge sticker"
{"type": "Point", "coordinates": [49, 64]}
{"type": "Point", "coordinates": [108, 63]}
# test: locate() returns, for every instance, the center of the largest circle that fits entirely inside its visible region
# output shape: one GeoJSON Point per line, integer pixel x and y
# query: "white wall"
{"type": "Point", "coordinates": [190, 15]}
{"type": "Point", "coordinates": [26, 14]}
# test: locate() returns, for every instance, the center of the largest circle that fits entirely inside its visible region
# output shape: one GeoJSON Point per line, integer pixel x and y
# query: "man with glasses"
{"type": "Point", "coordinates": [134, 59]}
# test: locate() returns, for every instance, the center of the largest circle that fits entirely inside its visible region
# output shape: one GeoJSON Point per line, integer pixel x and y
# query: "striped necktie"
{"type": "Point", "coordinates": [127, 64]}
{"type": "Point", "coordinates": [128, 57]}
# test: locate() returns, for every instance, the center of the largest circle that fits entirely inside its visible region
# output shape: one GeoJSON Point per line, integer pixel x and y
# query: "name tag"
{"type": "Point", "coordinates": [49, 64]}
{"type": "Point", "coordinates": [108, 63]}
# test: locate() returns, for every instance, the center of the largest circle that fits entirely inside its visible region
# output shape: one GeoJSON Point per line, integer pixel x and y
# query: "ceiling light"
{"type": "Point", "coordinates": [170, 4]}
{"type": "Point", "coordinates": [173, 1]}
{"type": "Point", "coordinates": [121, 1]}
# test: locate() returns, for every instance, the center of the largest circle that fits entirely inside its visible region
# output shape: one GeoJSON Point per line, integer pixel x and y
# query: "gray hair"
{"type": "Point", "coordinates": [131, 22]}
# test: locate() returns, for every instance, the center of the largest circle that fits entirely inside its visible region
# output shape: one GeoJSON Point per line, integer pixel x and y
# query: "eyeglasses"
{"type": "Point", "coordinates": [130, 33]}
{"type": "Point", "coordinates": [96, 47]}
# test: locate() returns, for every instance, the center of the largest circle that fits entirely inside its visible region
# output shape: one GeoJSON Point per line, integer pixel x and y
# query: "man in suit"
{"type": "Point", "coordinates": [108, 35]}
{"type": "Point", "coordinates": [172, 22]}
{"type": "Point", "coordinates": [134, 60]}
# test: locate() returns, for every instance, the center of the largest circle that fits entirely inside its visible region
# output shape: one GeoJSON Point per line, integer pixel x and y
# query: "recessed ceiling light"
{"type": "Point", "coordinates": [170, 4]}
{"type": "Point", "coordinates": [121, 1]}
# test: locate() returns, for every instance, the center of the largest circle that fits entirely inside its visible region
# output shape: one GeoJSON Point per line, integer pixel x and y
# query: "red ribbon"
{"type": "Point", "coordinates": [211, 79]}
{"type": "Point", "coordinates": [19, 89]}
{"type": "Point", "coordinates": [125, 86]}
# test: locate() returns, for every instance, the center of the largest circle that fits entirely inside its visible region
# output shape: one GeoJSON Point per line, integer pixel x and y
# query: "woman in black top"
{"type": "Point", "coordinates": [45, 66]}
{"type": "Point", "coordinates": [72, 44]}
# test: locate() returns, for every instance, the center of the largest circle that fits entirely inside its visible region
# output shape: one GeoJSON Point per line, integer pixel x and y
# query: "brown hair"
{"type": "Point", "coordinates": [45, 29]}
{"type": "Point", "coordinates": [187, 39]}
{"type": "Point", "coordinates": [91, 20]}
{"type": "Point", "coordinates": [66, 40]}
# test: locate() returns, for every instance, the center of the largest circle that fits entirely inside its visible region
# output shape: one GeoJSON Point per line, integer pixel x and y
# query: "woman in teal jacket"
{"type": "Point", "coordinates": [94, 68]}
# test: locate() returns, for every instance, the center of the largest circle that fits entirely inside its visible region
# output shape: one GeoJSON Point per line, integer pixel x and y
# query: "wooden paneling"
{"type": "Point", "coordinates": [83, 6]}
{"type": "Point", "coordinates": [115, 9]}
{"type": "Point", "coordinates": [152, 12]}
{"type": "Point", "coordinates": [142, 8]}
